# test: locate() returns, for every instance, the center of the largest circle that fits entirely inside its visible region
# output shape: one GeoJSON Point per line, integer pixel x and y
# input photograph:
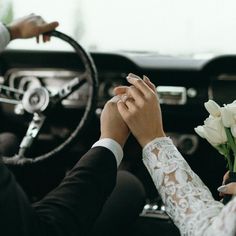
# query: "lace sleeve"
{"type": "Point", "coordinates": [188, 201]}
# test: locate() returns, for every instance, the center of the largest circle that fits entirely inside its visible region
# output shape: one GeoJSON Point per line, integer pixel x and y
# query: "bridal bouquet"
{"type": "Point", "coordinates": [219, 130]}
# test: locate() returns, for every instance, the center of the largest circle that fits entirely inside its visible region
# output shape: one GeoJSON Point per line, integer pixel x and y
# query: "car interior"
{"type": "Point", "coordinates": [76, 84]}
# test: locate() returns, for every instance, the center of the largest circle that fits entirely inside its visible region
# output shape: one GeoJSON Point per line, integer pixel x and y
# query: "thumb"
{"type": "Point", "coordinates": [228, 189]}
{"type": "Point", "coordinates": [120, 90]}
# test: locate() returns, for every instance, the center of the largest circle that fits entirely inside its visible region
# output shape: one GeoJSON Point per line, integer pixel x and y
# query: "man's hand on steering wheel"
{"type": "Point", "coordinates": [31, 26]}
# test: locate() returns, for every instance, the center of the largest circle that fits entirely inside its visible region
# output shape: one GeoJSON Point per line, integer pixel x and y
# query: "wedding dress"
{"type": "Point", "coordinates": [187, 199]}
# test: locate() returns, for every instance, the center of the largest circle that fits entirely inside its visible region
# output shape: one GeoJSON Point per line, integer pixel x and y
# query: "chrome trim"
{"type": "Point", "coordinates": [227, 77]}
{"type": "Point", "coordinates": [172, 95]}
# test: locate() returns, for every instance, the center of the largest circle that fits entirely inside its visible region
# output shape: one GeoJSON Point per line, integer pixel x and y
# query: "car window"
{"type": "Point", "coordinates": [184, 27]}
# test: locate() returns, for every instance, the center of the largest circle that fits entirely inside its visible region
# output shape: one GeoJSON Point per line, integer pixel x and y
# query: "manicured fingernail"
{"type": "Point", "coordinates": [146, 78]}
{"type": "Point", "coordinates": [124, 98]}
{"type": "Point", "coordinates": [115, 99]}
{"type": "Point", "coordinates": [131, 74]}
{"type": "Point", "coordinates": [127, 77]}
{"type": "Point", "coordinates": [222, 189]}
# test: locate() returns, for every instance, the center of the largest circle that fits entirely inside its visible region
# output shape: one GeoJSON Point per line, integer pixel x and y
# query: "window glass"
{"type": "Point", "coordinates": [181, 27]}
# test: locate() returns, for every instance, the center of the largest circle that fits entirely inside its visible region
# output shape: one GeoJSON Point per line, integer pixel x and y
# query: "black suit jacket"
{"type": "Point", "coordinates": [70, 209]}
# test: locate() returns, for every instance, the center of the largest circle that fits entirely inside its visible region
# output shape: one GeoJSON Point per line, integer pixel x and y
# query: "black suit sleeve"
{"type": "Point", "coordinates": [73, 206]}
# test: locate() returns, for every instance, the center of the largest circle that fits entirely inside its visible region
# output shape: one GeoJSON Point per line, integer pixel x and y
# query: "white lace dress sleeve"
{"type": "Point", "coordinates": [188, 201]}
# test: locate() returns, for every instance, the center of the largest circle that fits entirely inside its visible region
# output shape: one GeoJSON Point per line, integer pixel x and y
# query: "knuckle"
{"type": "Point", "coordinates": [153, 87]}
{"type": "Point", "coordinates": [150, 96]}
{"type": "Point", "coordinates": [139, 81]}
{"type": "Point", "coordinates": [132, 87]}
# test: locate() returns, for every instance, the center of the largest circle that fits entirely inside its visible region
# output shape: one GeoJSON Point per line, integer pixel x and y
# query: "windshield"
{"type": "Point", "coordinates": [183, 27]}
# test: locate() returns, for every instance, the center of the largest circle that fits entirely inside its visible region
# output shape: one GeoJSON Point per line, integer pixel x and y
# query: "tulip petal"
{"type": "Point", "coordinates": [227, 117]}
{"type": "Point", "coordinates": [200, 131]}
{"type": "Point", "coordinates": [233, 130]}
{"type": "Point", "coordinates": [213, 108]}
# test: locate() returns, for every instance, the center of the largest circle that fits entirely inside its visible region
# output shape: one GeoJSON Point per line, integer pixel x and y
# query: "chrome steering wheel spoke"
{"type": "Point", "coordinates": [68, 89]}
{"type": "Point", "coordinates": [11, 93]}
{"type": "Point", "coordinates": [31, 134]}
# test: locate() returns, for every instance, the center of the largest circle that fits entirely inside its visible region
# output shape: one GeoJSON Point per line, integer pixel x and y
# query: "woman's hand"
{"type": "Point", "coordinates": [140, 109]}
{"type": "Point", "coordinates": [228, 188]}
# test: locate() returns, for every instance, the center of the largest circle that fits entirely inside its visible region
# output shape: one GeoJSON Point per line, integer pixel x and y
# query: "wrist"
{"type": "Point", "coordinates": [121, 141]}
{"type": "Point", "coordinates": [111, 145]}
{"type": "Point", "coordinates": [13, 31]}
{"type": "Point", "coordinates": [145, 140]}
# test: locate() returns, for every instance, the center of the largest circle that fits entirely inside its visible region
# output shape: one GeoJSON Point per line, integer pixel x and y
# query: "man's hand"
{"type": "Point", "coordinates": [112, 124]}
{"type": "Point", "coordinates": [140, 109]}
{"type": "Point", "coordinates": [31, 26]}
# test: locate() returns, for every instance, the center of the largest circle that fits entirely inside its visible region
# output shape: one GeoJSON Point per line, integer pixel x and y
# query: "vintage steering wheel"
{"type": "Point", "coordinates": [39, 102]}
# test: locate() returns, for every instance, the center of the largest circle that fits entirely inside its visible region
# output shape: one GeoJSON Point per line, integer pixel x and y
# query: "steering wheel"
{"type": "Point", "coordinates": [40, 103]}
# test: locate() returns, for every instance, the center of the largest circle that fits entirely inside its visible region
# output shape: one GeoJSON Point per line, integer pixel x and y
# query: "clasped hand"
{"type": "Point", "coordinates": [135, 108]}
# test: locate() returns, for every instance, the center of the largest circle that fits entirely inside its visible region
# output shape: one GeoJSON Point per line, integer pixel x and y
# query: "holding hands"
{"type": "Point", "coordinates": [112, 124]}
{"type": "Point", "coordinates": [140, 109]}
{"type": "Point", "coordinates": [135, 108]}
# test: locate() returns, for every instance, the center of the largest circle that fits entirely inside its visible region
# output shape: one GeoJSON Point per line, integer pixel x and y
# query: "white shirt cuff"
{"type": "Point", "coordinates": [113, 146]}
{"type": "Point", "coordinates": [4, 36]}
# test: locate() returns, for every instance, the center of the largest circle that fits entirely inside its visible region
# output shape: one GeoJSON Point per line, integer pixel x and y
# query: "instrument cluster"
{"type": "Point", "coordinates": [52, 80]}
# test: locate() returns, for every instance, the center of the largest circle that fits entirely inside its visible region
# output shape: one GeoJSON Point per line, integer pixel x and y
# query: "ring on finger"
{"type": "Point", "coordinates": [124, 98]}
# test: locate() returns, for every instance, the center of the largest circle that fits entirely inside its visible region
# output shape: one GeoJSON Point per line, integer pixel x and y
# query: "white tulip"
{"type": "Point", "coordinates": [232, 108]}
{"type": "Point", "coordinates": [200, 131]}
{"type": "Point", "coordinates": [233, 104]}
{"type": "Point", "coordinates": [214, 131]}
{"type": "Point", "coordinates": [227, 116]}
{"type": "Point", "coordinates": [233, 130]}
{"type": "Point", "coordinates": [213, 108]}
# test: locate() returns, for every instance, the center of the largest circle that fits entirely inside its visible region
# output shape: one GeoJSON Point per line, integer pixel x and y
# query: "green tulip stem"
{"type": "Point", "coordinates": [229, 162]}
{"type": "Point", "coordinates": [231, 144]}
{"type": "Point", "coordinates": [234, 170]}
{"type": "Point", "coordinates": [224, 149]}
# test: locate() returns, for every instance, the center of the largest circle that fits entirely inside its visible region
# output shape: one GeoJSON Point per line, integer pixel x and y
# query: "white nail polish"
{"type": "Point", "coordinates": [222, 189]}
{"type": "Point", "coordinates": [115, 99]}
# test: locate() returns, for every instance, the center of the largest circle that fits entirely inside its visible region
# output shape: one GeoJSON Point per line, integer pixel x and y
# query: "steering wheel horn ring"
{"type": "Point", "coordinates": [36, 100]}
